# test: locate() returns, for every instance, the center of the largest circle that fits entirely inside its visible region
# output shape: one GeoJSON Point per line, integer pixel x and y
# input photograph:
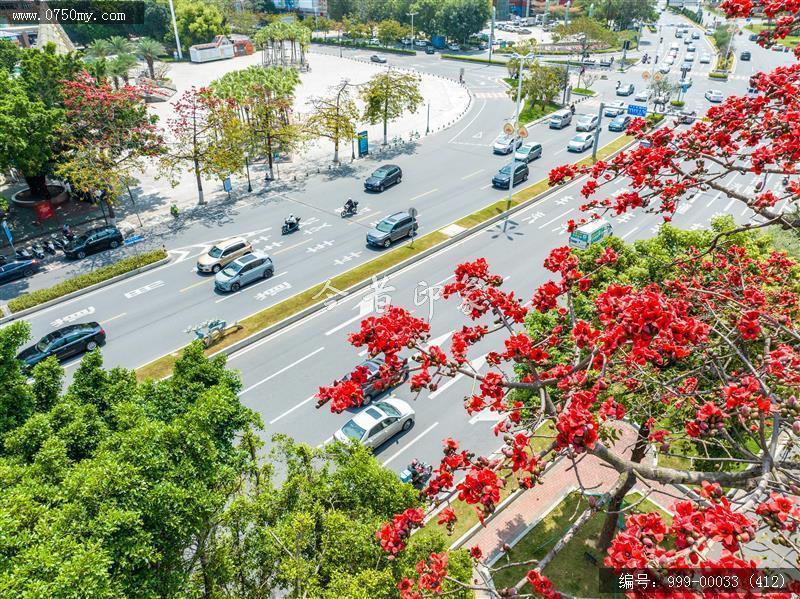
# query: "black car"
{"type": "Point", "coordinates": [753, 37]}
{"type": "Point", "coordinates": [375, 384]}
{"type": "Point", "coordinates": [18, 270]}
{"type": "Point", "coordinates": [387, 175]}
{"type": "Point", "coordinates": [93, 241]}
{"type": "Point", "coordinates": [397, 226]}
{"type": "Point", "coordinates": [64, 343]}
{"type": "Point", "coordinates": [620, 123]}
{"type": "Point", "coordinates": [429, 49]}
{"type": "Point", "coordinates": [745, 56]}
{"type": "Point", "coordinates": [502, 178]}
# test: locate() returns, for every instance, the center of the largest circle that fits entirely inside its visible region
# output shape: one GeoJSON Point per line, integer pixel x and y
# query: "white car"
{"type": "Point", "coordinates": [375, 41]}
{"type": "Point", "coordinates": [642, 95]}
{"type": "Point", "coordinates": [664, 69]}
{"type": "Point", "coordinates": [380, 58]}
{"type": "Point", "coordinates": [505, 144]}
{"type": "Point", "coordinates": [376, 424]}
{"type": "Point", "coordinates": [453, 47]}
{"type": "Point", "coordinates": [420, 43]}
{"type": "Point", "coordinates": [670, 60]}
{"type": "Point", "coordinates": [586, 122]}
{"type": "Point", "coordinates": [613, 109]}
{"type": "Point", "coordinates": [581, 142]}
{"type": "Point", "coordinates": [705, 59]}
{"type": "Point", "coordinates": [714, 95]}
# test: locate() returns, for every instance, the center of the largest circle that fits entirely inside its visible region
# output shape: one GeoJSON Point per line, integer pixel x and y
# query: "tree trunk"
{"type": "Point", "coordinates": [200, 198]}
{"type": "Point", "coordinates": [151, 68]}
{"type": "Point", "coordinates": [615, 503]}
{"type": "Point", "coordinates": [112, 216]}
{"type": "Point", "coordinates": [38, 186]}
{"type": "Point", "coordinates": [336, 152]}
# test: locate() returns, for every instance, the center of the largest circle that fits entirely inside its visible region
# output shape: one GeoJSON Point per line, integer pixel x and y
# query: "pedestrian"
{"type": "Point", "coordinates": [572, 108]}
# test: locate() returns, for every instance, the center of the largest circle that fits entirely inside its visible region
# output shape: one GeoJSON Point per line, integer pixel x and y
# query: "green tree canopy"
{"type": "Point", "coordinates": [9, 55]}
{"type": "Point", "coordinates": [462, 18]}
{"type": "Point", "coordinates": [585, 32]}
{"type": "Point", "coordinates": [388, 95]}
{"type": "Point", "coordinates": [198, 23]}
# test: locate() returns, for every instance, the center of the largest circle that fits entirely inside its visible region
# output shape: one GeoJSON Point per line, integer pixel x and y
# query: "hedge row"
{"type": "Point", "coordinates": [717, 75]}
{"type": "Point", "coordinates": [364, 46]}
{"type": "Point", "coordinates": [473, 59]}
{"type": "Point", "coordinates": [34, 298]}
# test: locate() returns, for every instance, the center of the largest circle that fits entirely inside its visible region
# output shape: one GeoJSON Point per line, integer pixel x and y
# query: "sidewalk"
{"type": "Point", "coordinates": [524, 512]}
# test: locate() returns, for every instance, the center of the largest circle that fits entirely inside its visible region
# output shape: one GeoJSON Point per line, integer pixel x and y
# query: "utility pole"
{"type": "Point", "coordinates": [522, 60]}
{"type": "Point", "coordinates": [527, 9]}
{"type": "Point", "coordinates": [491, 33]}
{"type": "Point", "coordinates": [175, 30]}
{"type": "Point", "coordinates": [597, 131]}
{"type": "Point", "coordinates": [566, 12]}
{"type": "Point", "coordinates": [546, 12]}
{"type": "Point", "coordinates": [411, 14]}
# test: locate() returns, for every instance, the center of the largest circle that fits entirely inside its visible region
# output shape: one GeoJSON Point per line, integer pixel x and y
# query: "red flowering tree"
{"type": "Point", "coordinates": [207, 135]}
{"type": "Point", "coordinates": [693, 337]}
{"type": "Point", "coordinates": [107, 136]}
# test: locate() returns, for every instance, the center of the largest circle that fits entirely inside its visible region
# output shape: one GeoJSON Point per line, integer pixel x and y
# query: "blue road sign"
{"type": "Point", "coordinates": [637, 110]}
{"type": "Point", "coordinates": [7, 231]}
{"type": "Point", "coordinates": [363, 144]}
{"type": "Point", "coordinates": [133, 239]}
{"type": "Point", "coordinates": [226, 184]}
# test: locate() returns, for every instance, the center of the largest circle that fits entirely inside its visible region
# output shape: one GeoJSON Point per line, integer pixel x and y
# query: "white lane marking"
{"type": "Point", "coordinates": [477, 364]}
{"type": "Point", "coordinates": [468, 124]}
{"type": "Point", "coordinates": [629, 233]}
{"type": "Point", "coordinates": [478, 172]}
{"type": "Point", "coordinates": [347, 322]}
{"type": "Point", "coordinates": [550, 222]}
{"type": "Point", "coordinates": [107, 320]}
{"type": "Point", "coordinates": [422, 195]}
{"type": "Point", "coordinates": [410, 443]}
{"type": "Point", "coordinates": [486, 415]}
{"type": "Point", "coordinates": [149, 287]}
{"type": "Point", "coordinates": [282, 370]}
{"type": "Point", "coordinates": [714, 199]}
{"type": "Point", "coordinates": [729, 204]}
{"type": "Point", "coordinates": [233, 294]}
{"type": "Point", "coordinates": [70, 317]}
{"type": "Point", "coordinates": [486, 186]}
{"type": "Point", "coordinates": [290, 410]}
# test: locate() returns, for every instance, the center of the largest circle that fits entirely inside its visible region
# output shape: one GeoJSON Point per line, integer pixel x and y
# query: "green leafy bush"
{"type": "Point", "coordinates": [677, 103]}
{"type": "Point", "coordinates": [34, 298]}
{"type": "Point", "coordinates": [473, 59]}
{"type": "Point", "coordinates": [364, 45]}
{"type": "Point", "coordinates": [716, 75]}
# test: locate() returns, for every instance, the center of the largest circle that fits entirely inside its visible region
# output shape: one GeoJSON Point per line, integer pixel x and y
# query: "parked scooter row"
{"type": "Point", "coordinates": [41, 249]}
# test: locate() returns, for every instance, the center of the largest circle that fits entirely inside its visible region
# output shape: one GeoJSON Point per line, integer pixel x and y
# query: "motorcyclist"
{"type": "Point", "coordinates": [291, 221]}
{"type": "Point", "coordinates": [66, 230]}
{"type": "Point", "coordinates": [572, 108]}
{"type": "Point", "coordinates": [349, 205]}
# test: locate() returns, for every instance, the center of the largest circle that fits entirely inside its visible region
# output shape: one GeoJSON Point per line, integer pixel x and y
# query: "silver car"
{"type": "Point", "coordinates": [528, 152]}
{"type": "Point", "coordinates": [587, 122]}
{"type": "Point", "coordinates": [505, 144]}
{"type": "Point", "coordinates": [378, 423]}
{"type": "Point", "coordinates": [581, 142]}
{"type": "Point", "coordinates": [245, 270]}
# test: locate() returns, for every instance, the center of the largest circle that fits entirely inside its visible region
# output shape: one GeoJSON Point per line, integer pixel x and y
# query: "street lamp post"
{"type": "Point", "coordinates": [428, 125]}
{"type": "Point", "coordinates": [566, 12]}
{"type": "Point", "coordinates": [175, 30]}
{"type": "Point", "coordinates": [247, 168]}
{"type": "Point", "coordinates": [522, 60]}
{"type": "Point", "coordinates": [411, 14]}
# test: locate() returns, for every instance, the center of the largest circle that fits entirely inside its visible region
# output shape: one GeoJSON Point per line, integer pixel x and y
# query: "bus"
{"type": "Point", "coordinates": [592, 232]}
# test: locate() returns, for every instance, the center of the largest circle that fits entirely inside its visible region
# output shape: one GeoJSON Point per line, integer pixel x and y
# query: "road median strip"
{"type": "Point", "coordinates": [268, 321]}
{"type": "Point", "coordinates": [103, 276]}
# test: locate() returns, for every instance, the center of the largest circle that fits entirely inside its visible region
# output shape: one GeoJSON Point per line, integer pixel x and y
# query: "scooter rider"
{"type": "Point", "coordinates": [349, 205]}
{"type": "Point", "coordinates": [291, 221]}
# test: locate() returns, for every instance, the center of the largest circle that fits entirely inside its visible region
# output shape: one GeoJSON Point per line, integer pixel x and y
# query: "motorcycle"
{"type": "Point", "coordinates": [23, 253]}
{"type": "Point", "coordinates": [290, 227]}
{"type": "Point", "coordinates": [37, 250]}
{"type": "Point", "coordinates": [785, 182]}
{"type": "Point", "coordinates": [49, 247]}
{"type": "Point", "coordinates": [349, 210]}
{"type": "Point", "coordinates": [417, 473]}
{"type": "Point", "coordinates": [59, 241]}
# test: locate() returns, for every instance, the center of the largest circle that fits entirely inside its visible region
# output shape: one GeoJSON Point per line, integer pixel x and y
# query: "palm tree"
{"type": "Point", "coordinates": [120, 67]}
{"type": "Point", "coordinates": [99, 49]}
{"type": "Point", "coordinates": [149, 50]}
{"type": "Point", "coordinates": [120, 45]}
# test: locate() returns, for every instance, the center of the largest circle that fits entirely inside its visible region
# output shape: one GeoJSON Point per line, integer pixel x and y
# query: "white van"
{"type": "Point", "coordinates": [592, 232]}
{"type": "Point", "coordinates": [560, 119]}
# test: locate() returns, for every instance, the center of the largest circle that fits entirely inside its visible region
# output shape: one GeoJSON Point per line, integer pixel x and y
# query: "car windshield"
{"type": "Point", "coordinates": [380, 173]}
{"type": "Point", "coordinates": [215, 252]}
{"type": "Point", "coordinates": [579, 138]}
{"type": "Point", "coordinates": [353, 431]}
{"type": "Point", "coordinates": [232, 269]}
{"type": "Point", "coordinates": [385, 226]}
{"type": "Point", "coordinates": [525, 149]}
{"type": "Point", "coordinates": [45, 341]}
{"type": "Point", "coordinates": [82, 239]}
{"type": "Point", "coordinates": [388, 409]}
{"type": "Point", "coordinates": [503, 140]}
{"type": "Point", "coordinates": [505, 170]}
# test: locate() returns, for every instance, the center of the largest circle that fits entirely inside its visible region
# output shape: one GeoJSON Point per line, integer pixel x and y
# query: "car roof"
{"type": "Point", "coordinates": [230, 242]}
{"type": "Point", "coordinates": [246, 259]}
{"type": "Point", "coordinates": [396, 216]}
{"type": "Point", "coordinates": [369, 417]}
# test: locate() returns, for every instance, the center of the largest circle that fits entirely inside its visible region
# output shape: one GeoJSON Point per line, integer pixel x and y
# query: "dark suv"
{"type": "Point", "coordinates": [387, 175]}
{"type": "Point", "coordinates": [503, 179]}
{"type": "Point", "coordinates": [63, 343]}
{"type": "Point", "coordinates": [374, 384]}
{"type": "Point", "coordinates": [92, 241]}
{"type": "Point", "coordinates": [397, 226]}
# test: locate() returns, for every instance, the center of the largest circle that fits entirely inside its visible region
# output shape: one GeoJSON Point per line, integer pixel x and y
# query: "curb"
{"type": "Point", "coordinates": [85, 290]}
{"type": "Point", "coordinates": [346, 293]}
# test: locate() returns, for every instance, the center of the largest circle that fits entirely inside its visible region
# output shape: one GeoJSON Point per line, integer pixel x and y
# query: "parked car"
{"type": "Point", "coordinates": [705, 59]}
{"type": "Point", "coordinates": [378, 58]}
{"type": "Point", "coordinates": [687, 41]}
{"type": "Point", "coordinates": [581, 142]}
{"type": "Point", "coordinates": [454, 47]}
{"type": "Point", "coordinates": [714, 95]}
{"type": "Point", "coordinates": [753, 37]}
{"type": "Point", "coordinates": [613, 109]}
{"type": "Point", "coordinates": [378, 423]}
{"type": "Point", "coordinates": [625, 89]}
{"type": "Point", "coordinates": [664, 68]}
{"type": "Point", "coordinates": [93, 241]}
{"type": "Point", "coordinates": [420, 43]}
{"type": "Point", "coordinates": [686, 66]}
{"type": "Point", "coordinates": [397, 226]}
{"type": "Point", "coordinates": [678, 33]}
{"type": "Point", "coordinates": [695, 35]}
{"type": "Point", "coordinates": [620, 122]}
{"type": "Point", "coordinates": [669, 60]}
{"type": "Point", "coordinates": [18, 269]}
{"type": "Point", "coordinates": [691, 48]}
{"type": "Point", "coordinates": [687, 117]}
{"type": "Point", "coordinates": [63, 343]}
{"type": "Point", "coordinates": [643, 95]}
{"type": "Point", "coordinates": [528, 152]}
{"type": "Point", "coordinates": [505, 144]}
{"type": "Point", "coordinates": [374, 41]}
{"type": "Point", "coordinates": [247, 269]}
{"type": "Point", "coordinates": [689, 57]}
{"type": "Point", "coordinates": [587, 122]}
{"type": "Point", "coordinates": [374, 384]}
{"type": "Point", "coordinates": [745, 56]}
{"type": "Point", "coordinates": [606, 62]}
{"type": "Point", "coordinates": [502, 180]}
{"type": "Point", "coordinates": [430, 50]}
{"type": "Point", "coordinates": [710, 31]}
{"type": "Point", "coordinates": [383, 177]}
{"type": "Point", "coordinates": [222, 254]}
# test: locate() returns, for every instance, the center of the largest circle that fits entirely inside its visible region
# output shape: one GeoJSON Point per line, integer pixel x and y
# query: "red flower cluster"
{"type": "Point", "coordinates": [780, 512]}
{"type": "Point", "coordinates": [481, 487]}
{"type": "Point", "coordinates": [709, 421]}
{"type": "Point", "coordinates": [542, 585]}
{"type": "Point", "coordinates": [576, 428]}
{"type": "Point", "coordinates": [393, 535]}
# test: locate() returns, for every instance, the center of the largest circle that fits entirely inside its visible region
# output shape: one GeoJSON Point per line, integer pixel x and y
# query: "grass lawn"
{"type": "Point", "coordinates": [531, 113]}
{"type": "Point", "coordinates": [569, 571]}
{"type": "Point", "coordinates": [789, 41]}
